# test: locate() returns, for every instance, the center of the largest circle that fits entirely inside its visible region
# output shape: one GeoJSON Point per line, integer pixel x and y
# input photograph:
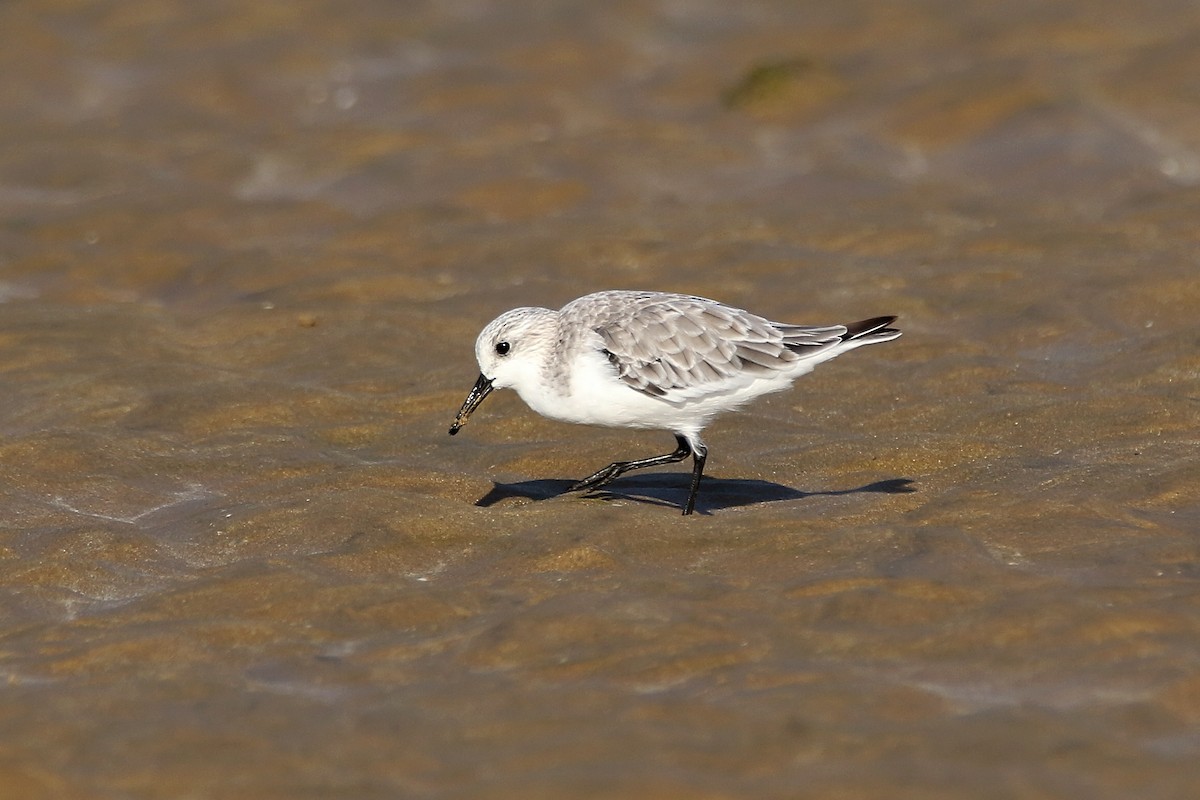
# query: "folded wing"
{"type": "Point", "coordinates": [683, 347]}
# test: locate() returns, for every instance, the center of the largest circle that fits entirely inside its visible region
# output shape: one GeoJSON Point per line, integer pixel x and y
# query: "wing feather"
{"type": "Point", "coordinates": [679, 347]}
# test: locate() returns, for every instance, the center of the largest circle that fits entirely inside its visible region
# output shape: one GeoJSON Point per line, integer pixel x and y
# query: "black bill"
{"type": "Point", "coordinates": [481, 389]}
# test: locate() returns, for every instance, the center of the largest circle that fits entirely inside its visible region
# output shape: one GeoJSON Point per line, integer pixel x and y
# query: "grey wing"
{"type": "Point", "coordinates": [687, 347]}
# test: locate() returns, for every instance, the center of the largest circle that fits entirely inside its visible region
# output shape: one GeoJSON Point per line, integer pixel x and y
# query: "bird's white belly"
{"type": "Point", "coordinates": [595, 395]}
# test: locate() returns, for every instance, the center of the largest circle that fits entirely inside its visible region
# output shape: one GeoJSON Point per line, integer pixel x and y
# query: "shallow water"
{"type": "Point", "coordinates": [245, 252]}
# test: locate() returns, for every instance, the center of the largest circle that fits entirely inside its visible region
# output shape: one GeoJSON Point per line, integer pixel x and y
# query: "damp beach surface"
{"type": "Point", "coordinates": [245, 250]}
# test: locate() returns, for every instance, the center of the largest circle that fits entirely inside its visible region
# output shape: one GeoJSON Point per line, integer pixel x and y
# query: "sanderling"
{"type": "Point", "coordinates": [650, 360]}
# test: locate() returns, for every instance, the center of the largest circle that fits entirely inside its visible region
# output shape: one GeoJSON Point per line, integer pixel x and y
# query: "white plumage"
{"type": "Point", "coordinates": [651, 360]}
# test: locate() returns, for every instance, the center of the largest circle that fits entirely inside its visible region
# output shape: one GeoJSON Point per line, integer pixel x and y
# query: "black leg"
{"type": "Point", "coordinates": [699, 455]}
{"type": "Point", "coordinates": [618, 468]}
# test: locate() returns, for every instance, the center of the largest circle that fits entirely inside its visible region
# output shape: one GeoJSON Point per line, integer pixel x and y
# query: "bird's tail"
{"type": "Point", "coordinates": [815, 345]}
{"type": "Point", "coordinates": [869, 331]}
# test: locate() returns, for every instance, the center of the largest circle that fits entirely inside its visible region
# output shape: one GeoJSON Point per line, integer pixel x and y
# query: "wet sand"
{"type": "Point", "coordinates": [245, 252]}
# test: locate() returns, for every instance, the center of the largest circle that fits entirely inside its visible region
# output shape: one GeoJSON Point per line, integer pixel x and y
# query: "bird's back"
{"type": "Point", "coordinates": [681, 347]}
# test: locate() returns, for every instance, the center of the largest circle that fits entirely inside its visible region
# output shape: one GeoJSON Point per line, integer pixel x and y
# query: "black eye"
{"type": "Point", "coordinates": [502, 348]}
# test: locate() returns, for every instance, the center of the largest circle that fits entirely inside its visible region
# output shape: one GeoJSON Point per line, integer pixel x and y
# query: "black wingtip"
{"type": "Point", "coordinates": [864, 327]}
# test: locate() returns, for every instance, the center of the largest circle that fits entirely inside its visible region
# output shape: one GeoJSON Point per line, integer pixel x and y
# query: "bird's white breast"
{"type": "Point", "coordinates": [594, 394]}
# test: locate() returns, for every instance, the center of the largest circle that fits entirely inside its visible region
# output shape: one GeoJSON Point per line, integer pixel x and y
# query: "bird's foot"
{"type": "Point", "coordinates": [598, 478]}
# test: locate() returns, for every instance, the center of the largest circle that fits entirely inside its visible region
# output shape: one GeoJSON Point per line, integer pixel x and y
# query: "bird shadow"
{"type": "Point", "coordinates": [670, 489]}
